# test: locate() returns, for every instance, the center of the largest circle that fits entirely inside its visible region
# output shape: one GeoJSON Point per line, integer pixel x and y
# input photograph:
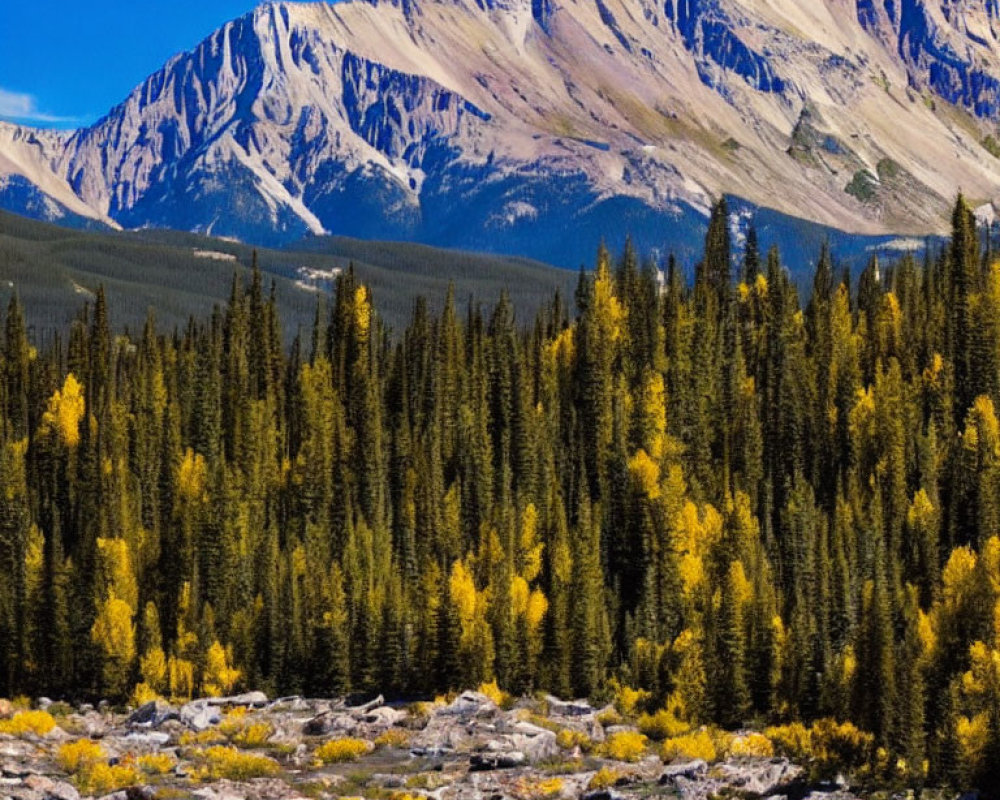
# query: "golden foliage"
{"type": "Point", "coordinates": [229, 763]}
{"type": "Point", "coordinates": [645, 473]}
{"type": "Point", "coordinates": [64, 412]}
{"type": "Point", "coordinates": [24, 722]}
{"type": "Point", "coordinates": [698, 744]}
{"type": "Point", "coordinates": [393, 739]}
{"type": "Point", "coordinates": [538, 788]}
{"type": "Point", "coordinates": [623, 746]}
{"type": "Point", "coordinates": [973, 737]}
{"type": "Point", "coordinates": [102, 778]}
{"type": "Point", "coordinates": [219, 677]}
{"type": "Point", "coordinates": [156, 763]}
{"type": "Point", "coordinates": [74, 756]}
{"type": "Point", "coordinates": [664, 724]}
{"type": "Point", "coordinates": [362, 312]}
{"type": "Point", "coordinates": [569, 739]}
{"type": "Point", "coordinates": [337, 751]}
{"type": "Point", "coordinates": [754, 745]}
{"type": "Point", "coordinates": [959, 578]}
{"type": "Point", "coordinates": [604, 778]}
{"type": "Point", "coordinates": [191, 477]}
{"type": "Point", "coordinates": [494, 692]}
{"type": "Point", "coordinates": [254, 735]}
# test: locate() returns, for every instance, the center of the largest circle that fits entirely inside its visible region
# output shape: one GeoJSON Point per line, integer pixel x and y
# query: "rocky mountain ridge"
{"type": "Point", "coordinates": [537, 126]}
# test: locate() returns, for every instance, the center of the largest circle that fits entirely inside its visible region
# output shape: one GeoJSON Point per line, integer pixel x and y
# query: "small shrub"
{"type": "Point", "coordinates": [25, 722]}
{"type": "Point", "coordinates": [74, 756]}
{"type": "Point", "coordinates": [624, 746]}
{"type": "Point", "coordinates": [628, 701]}
{"type": "Point", "coordinates": [690, 746]}
{"type": "Point", "coordinates": [101, 778]}
{"type": "Point", "coordinates": [604, 778]}
{"type": "Point", "coordinates": [755, 745]}
{"type": "Point", "coordinates": [156, 763]}
{"type": "Point", "coordinates": [569, 739]}
{"type": "Point", "coordinates": [840, 746]}
{"type": "Point", "coordinates": [142, 694]}
{"type": "Point", "coordinates": [228, 762]}
{"type": "Point", "coordinates": [793, 740]}
{"type": "Point", "coordinates": [610, 716]}
{"type": "Point", "coordinates": [662, 725]}
{"type": "Point", "coordinates": [394, 738]}
{"type": "Point", "coordinates": [337, 751]}
{"type": "Point", "coordinates": [255, 735]}
{"type": "Point", "coordinates": [495, 693]}
{"type": "Point", "coordinates": [538, 789]}
{"type": "Point", "coordinates": [205, 737]}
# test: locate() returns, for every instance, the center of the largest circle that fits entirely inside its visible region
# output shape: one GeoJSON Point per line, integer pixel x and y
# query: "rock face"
{"type": "Point", "coordinates": [537, 126]}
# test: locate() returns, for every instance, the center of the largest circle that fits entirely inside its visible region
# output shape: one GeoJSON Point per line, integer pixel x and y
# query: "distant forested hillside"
{"type": "Point", "coordinates": [55, 270]}
{"type": "Point", "coordinates": [734, 505]}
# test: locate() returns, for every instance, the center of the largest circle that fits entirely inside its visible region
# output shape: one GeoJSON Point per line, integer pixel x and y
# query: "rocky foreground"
{"type": "Point", "coordinates": [252, 747]}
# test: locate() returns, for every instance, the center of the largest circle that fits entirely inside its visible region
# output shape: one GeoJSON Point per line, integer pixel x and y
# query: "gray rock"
{"type": "Point", "coordinates": [51, 789]}
{"type": "Point", "coordinates": [249, 699]}
{"type": "Point", "coordinates": [151, 740]}
{"type": "Point", "coordinates": [689, 770]}
{"type": "Point", "coordinates": [483, 762]}
{"type": "Point", "coordinates": [384, 715]}
{"type": "Point", "coordinates": [199, 716]}
{"type": "Point", "coordinates": [568, 708]}
{"type": "Point", "coordinates": [470, 704]}
{"type": "Point", "coordinates": [154, 713]}
{"type": "Point", "coordinates": [761, 777]}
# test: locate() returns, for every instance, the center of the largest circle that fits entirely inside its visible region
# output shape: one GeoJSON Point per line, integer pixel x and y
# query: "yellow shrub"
{"type": "Point", "coordinates": [74, 756]}
{"type": "Point", "coordinates": [538, 789]}
{"type": "Point", "coordinates": [255, 735]}
{"type": "Point", "coordinates": [628, 700]}
{"type": "Point", "coordinates": [569, 739]}
{"type": "Point", "coordinates": [337, 750]}
{"type": "Point", "coordinates": [25, 722]}
{"type": "Point", "coordinates": [698, 744]}
{"type": "Point", "coordinates": [610, 716]}
{"type": "Point", "coordinates": [494, 692]}
{"type": "Point", "coordinates": [228, 762]}
{"type": "Point", "coordinates": [604, 778]}
{"type": "Point", "coordinates": [142, 694]}
{"type": "Point", "coordinates": [156, 763]}
{"type": "Point", "coordinates": [794, 740]}
{"type": "Point", "coordinates": [209, 736]}
{"type": "Point", "coordinates": [840, 745]}
{"type": "Point", "coordinates": [101, 778]}
{"type": "Point", "coordinates": [624, 746]}
{"type": "Point", "coordinates": [393, 738]}
{"type": "Point", "coordinates": [662, 725]}
{"type": "Point", "coordinates": [753, 744]}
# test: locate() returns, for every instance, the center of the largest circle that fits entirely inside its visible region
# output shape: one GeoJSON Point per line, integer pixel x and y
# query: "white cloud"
{"type": "Point", "coordinates": [22, 107]}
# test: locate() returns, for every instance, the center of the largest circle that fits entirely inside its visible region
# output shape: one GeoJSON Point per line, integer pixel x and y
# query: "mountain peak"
{"type": "Point", "coordinates": [506, 123]}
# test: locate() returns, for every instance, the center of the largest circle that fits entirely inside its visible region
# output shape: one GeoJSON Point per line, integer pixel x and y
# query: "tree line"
{"type": "Point", "coordinates": [755, 509]}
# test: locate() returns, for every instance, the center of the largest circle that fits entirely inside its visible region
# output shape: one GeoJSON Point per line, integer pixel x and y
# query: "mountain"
{"type": "Point", "coordinates": [537, 127]}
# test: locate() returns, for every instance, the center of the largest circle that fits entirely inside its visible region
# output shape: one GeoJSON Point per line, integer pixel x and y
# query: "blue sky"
{"type": "Point", "coordinates": [65, 63]}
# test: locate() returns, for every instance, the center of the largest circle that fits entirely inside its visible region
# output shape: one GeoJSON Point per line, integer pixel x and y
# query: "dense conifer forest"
{"type": "Point", "coordinates": [750, 507]}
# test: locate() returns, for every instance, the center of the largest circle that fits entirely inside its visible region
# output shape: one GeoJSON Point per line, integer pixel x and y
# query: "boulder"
{"type": "Point", "coordinates": [470, 704]}
{"type": "Point", "coordinates": [51, 789]}
{"type": "Point", "coordinates": [568, 708]}
{"type": "Point", "coordinates": [689, 770]}
{"type": "Point", "coordinates": [154, 713]}
{"type": "Point", "coordinates": [199, 716]}
{"type": "Point", "coordinates": [759, 776]}
{"type": "Point", "coordinates": [6, 708]}
{"type": "Point", "coordinates": [385, 716]}
{"type": "Point", "coordinates": [249, 699]}
{"type": "Point", "coordinates": [483, 762]}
